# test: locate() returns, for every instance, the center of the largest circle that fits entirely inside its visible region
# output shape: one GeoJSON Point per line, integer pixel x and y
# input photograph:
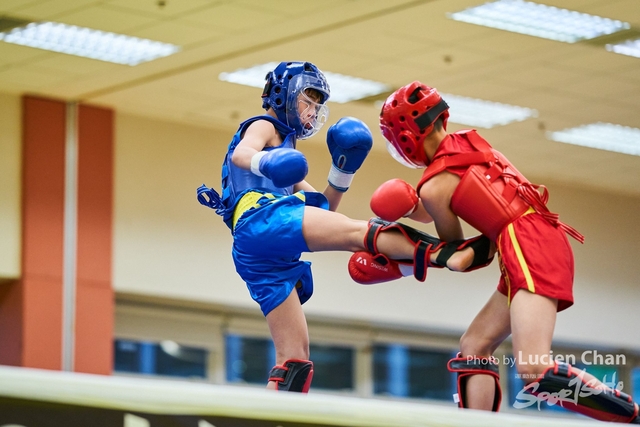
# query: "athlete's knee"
{"type": "Point", "coordinates": [467, 343]}
{"type": "Point", "coordinates": [474, 345]}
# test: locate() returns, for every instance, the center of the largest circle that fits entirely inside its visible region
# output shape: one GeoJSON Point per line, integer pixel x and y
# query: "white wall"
{"type": "Point", "coordinates": [166, 244]}
{"type": "Point", "coordinates": [10, 161]}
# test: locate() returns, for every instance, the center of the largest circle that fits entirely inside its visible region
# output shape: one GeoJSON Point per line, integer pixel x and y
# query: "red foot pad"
{"type": "Point", "coordinates": [579, 395]}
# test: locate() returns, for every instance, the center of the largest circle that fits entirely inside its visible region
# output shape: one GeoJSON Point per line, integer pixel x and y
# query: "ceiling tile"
{"type": "Point", "coordinates": [52, 9]}
{"type": "Point", "coordinates": [391, 41]}
{"type": "Point", "coordinates": [162, 8]}
{"type": "Point", "coordinates": [30, 78]}
{"type": "Point", "coordinates": [177, 33]}
{"type": "Point", "coordinates": [15, 55]}
{"type": "Point", "coordinates": [233, 17]}
{"type": "Point", "coordinates": [105, 19]}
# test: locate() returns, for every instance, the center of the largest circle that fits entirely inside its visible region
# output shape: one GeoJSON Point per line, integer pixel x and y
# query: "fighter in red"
{"type": "Point", "coordinates": [465, 178]}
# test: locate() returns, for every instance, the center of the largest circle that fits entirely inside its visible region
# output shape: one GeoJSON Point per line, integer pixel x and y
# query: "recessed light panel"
{"type": "Point", "coordinates": [484, 114]}
{"type": "Point", "coordinates": [603, 136]}
{"type": "Point", "coordinates": [539, 20]}
{"type": "Point", "coordinates": [343, 88]}
{"type": "Point", "coordinates": [629, 47]}
{"type": "Point", "coordinates": [88, 43]}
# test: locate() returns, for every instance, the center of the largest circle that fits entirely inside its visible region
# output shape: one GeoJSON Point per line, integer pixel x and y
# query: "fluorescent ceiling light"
{"type": "Point", "coordinates": [343, 88]}
{"type": "Point", "coordinates": [539, 20]}
{"type": "Point", "coordinates": [484, 114]}
{"type": "Point", "coordinates": [603, 136]}
{"type": "Point", "coordinates": [629, 47]}
{"type": "Point", "coordinates": [88, 43]}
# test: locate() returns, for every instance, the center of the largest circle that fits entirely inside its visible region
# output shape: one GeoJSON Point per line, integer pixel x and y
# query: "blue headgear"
{"type": "Point", "coordinates": [284, 84]}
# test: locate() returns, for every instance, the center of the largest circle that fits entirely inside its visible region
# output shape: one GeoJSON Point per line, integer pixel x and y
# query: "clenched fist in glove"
{"type": "Point", "coordinates": [349, 142]}
{"type": "Point", "coordinates": [367, 268]}
{"type": "Point", "coordinates": [283, 166]}
{"type": "Point", "coordinates": [394, 199]}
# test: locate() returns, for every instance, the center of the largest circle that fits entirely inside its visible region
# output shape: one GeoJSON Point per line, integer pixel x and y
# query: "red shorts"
{"type": "Point", "coordinates": [536, 256]}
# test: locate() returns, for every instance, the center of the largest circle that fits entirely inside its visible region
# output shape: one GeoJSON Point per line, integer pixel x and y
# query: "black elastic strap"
{"type": "Point", "coordinates": [429, 117]}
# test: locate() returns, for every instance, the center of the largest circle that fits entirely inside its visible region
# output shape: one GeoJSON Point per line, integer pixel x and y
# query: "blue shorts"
{"type": "Point", "coordinates": [268, 242]}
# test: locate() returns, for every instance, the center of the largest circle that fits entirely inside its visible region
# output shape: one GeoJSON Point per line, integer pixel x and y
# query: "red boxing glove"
{"type": "Point", "coordinates": [394, 199]}
{"type": "Point", "coordinates": [367, 269]}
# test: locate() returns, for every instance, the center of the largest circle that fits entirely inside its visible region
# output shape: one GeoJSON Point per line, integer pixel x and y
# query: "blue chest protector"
{"type": "Point", "coordinates": [237, 181]}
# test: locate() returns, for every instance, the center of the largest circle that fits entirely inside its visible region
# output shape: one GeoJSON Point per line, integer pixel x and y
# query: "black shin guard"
{"type": "Point", "coordinates": [294, 375]}
{"type": "Point", "coordinates": [481, 246]}
{"type": "Point", "coordinates": [424, 244]}
{"type": "Point", "coordinates": [465, 367]}
{"type": "Point", "coordinates": [571, 391]}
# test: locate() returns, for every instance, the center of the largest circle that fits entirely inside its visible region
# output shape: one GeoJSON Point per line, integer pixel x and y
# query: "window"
{"type": "Point", "coordinates": [249, 360]}
{"type": "Point", "coordinates": [333, 367]}
{"type": "Point", "coordinates": [399, 370]}
{"type": "Point", "coordinates": [165, 358]}
{"type": "Point", "coordinates": [635, 381]}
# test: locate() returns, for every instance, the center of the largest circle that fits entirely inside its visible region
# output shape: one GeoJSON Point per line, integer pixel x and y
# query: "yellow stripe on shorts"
{"type": "Point", "coordinates": [523, 263]}
{"type": "Point", "coordinates": [250, 201]}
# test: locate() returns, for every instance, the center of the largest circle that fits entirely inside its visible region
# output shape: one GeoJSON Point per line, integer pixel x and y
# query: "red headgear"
{"type": "Point", "coordinates": [407, 117]}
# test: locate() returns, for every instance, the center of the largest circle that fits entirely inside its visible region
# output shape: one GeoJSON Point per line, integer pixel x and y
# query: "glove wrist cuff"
{"type": "Point", "coordinates": [255, 162]}
{"type": "Point", "coordinates": [340, 180]}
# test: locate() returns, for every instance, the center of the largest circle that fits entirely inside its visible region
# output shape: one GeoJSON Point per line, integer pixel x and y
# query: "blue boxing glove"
{"type": "Point", "coordinates": [349, 142]}
{"type": "Point", "coordinates": [283, 166]}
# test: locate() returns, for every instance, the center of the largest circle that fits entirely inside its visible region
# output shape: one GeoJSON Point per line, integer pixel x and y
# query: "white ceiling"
{"type": "Point", "coordinates": [391, 41]}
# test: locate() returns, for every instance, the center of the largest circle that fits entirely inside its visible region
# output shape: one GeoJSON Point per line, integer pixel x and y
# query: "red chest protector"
{"type": "Point", "coordinates": [492, 193]}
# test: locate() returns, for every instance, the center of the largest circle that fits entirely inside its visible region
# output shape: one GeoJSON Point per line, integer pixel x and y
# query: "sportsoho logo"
{"type": "Point", "coordinates": [582, 385]}
{"type": "Point", "coordinates": [578, 387]}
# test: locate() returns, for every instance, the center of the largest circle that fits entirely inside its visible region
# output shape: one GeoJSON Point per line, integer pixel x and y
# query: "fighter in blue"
{"type": "Point", "coordinates": [275, 215]}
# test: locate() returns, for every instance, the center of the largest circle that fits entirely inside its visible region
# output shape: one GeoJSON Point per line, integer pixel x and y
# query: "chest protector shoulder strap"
{"type": "Point", "coordinates": [492, 193]}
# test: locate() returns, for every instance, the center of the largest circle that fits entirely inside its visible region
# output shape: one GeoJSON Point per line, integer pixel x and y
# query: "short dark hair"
{"type": "Point", "coordinates": [438, 124]}
{"type": "Point", "coordinates": [314, 94]}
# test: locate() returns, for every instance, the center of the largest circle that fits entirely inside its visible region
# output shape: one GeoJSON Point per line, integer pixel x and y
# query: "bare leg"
{"type": "Point", "coordinates": [532, 339]}
{"type": "Point", "coordinates": [489, 328]}
{"type": "Point", "coordinates": [288, 327]}
{"type": "Point", "coordinates": [331, 231]}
